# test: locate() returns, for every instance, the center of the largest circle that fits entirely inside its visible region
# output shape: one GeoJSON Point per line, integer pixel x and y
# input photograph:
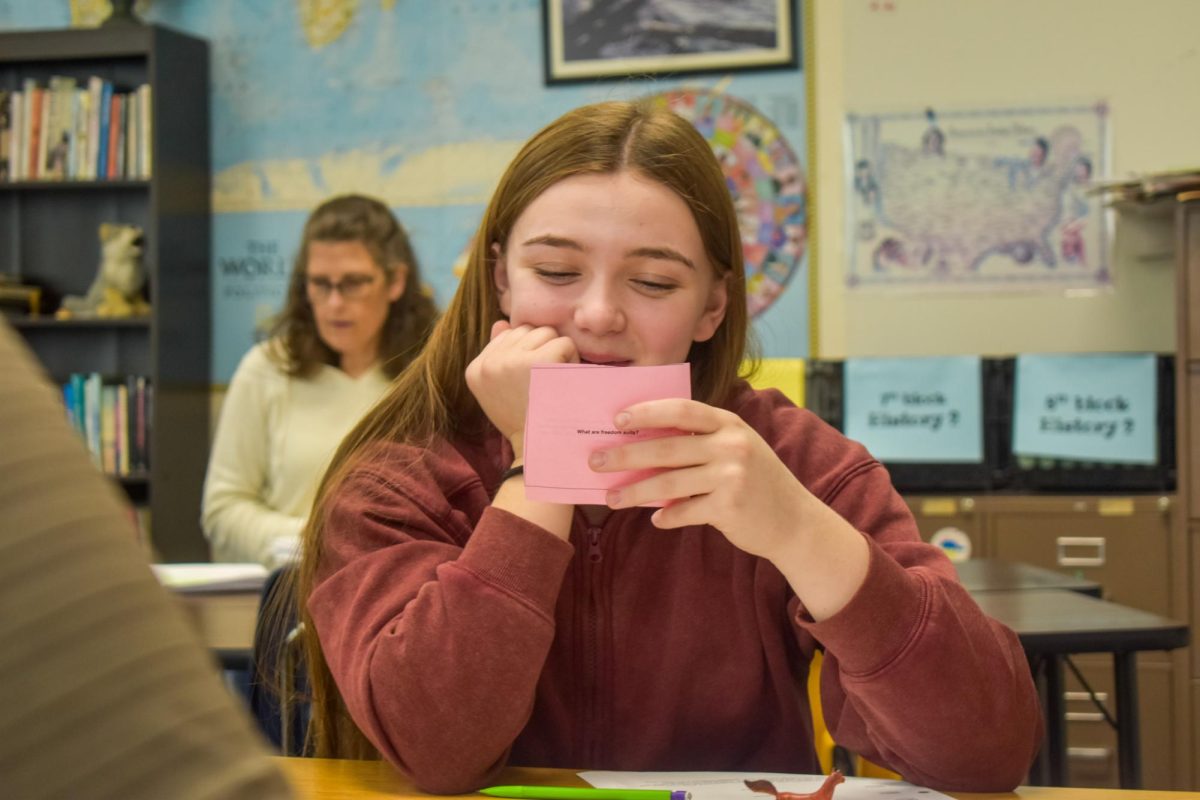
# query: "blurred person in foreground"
{"type": "Point", "coordinates": [105, 690]}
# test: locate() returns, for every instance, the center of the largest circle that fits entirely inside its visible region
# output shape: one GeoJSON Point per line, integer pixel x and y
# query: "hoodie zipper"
{"type": "Point", "coordinates": [591, 741]}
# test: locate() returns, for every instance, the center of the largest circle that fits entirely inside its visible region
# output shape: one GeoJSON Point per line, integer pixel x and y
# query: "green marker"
{"type": "Point", "coordinates": [590, 793]}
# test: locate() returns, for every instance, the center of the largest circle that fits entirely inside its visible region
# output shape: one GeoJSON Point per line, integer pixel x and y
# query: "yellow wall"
{"type": "Point", "coordinates": [1141, 56]}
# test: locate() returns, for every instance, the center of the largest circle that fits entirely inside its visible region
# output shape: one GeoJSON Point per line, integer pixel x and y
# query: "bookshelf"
{"type": "Point", "coordinates": [49, 237]}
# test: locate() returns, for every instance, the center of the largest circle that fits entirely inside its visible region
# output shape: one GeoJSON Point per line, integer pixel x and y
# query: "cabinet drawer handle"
{"type": "Point", "coordinates": [1083, 716]}
{"type": "Point", "coordinates": [1090, 753]}
{"type": "Point", "coordinates": [1064, 560]}
{"type": "Point", "coordinates": [1084, 696]}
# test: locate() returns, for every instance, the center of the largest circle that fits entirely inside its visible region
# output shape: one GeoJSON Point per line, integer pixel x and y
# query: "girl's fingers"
{"type": "Point", "coordinates": [526, 337]}
{"type": "Point", "coordinates": [560, 350]}
{"type": "Point", "coordinates": [663, 452]}
{"type": "Point", "coordinates": [533, 338]}
{"type": "Point", "coordinates": [685, 415]}
{"type": "Point", "coordinates": [499, 327]}
{"type": "Point", "coordinates": [674, 484]}
{"type": "Point", "coordinates": [683, 513]}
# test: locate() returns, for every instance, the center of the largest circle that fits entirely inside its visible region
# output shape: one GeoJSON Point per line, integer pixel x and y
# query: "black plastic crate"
{"type": "Point", "coordinates": [824, 396]}
{"type": "Point", "coordinates": [1027, 473]}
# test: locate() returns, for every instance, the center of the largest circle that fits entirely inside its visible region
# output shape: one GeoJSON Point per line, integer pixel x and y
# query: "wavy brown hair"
{"type": "Point", "coordinates": [430, 398]}
{"type": "Point", "coordinates": [355, 218]}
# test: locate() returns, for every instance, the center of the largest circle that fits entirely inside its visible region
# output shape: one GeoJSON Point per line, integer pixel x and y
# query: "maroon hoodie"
{"type": "Point", "coordinates": [464, 638]}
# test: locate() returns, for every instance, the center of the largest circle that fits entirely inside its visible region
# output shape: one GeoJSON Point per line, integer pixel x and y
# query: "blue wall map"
{"type": "Point", "coordinates": [421, 104]}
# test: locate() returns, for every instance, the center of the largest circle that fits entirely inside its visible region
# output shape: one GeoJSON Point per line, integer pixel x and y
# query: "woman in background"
{"type": "Point", "coordinates": [356, 315]}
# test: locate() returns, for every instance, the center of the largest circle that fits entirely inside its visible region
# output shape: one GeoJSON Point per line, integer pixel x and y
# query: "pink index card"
{"type": "Point", "coordinates": [571, 411]}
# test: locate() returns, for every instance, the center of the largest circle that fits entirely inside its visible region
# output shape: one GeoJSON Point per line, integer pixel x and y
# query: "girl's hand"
{"type": "Point", "coordinates": [499, 375]}
{"type": "Point", "coordinates": [724, 475]}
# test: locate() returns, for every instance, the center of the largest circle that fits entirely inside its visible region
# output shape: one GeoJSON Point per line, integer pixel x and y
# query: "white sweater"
{"type": "Point", "coordinates": [274, 440]}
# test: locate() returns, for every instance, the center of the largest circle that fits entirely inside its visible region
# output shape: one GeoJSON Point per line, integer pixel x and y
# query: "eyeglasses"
{"type": "Point", "coordinates": [351, 287]}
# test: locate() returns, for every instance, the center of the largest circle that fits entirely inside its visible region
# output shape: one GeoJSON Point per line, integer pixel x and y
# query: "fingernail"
{"type": "Point", "coordinates": [622, 419]}
{"type": "Point", "coordinates": [613, 498]}
{"type": "Point", "coordinates": [597, 459]}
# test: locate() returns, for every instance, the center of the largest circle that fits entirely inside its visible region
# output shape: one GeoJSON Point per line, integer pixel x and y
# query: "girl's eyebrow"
{"type": "Point", "coordinates": [665, 253]}
{"type": "Point", "coordinates": [550, 240]}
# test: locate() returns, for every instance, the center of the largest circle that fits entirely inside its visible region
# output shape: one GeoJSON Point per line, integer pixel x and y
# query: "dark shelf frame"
{"type": "Point", "coordinates": [72, 185]}
{"type": "Point", "coordinates": [25, 323]}
{"type": "Point", "coordinates": [47, 236]}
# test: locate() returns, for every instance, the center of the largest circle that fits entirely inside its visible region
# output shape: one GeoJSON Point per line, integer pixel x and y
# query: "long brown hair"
{"type": "Point", "coordinates": [355, 218]}
{"type": "Point", "coordinates": [431, 399]}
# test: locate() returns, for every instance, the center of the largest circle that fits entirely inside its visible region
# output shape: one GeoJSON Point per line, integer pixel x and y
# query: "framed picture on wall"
{"type": "Point", "coordinates": [596, 39]}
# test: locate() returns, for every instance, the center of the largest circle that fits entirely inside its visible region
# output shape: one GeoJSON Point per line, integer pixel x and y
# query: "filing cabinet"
{"type": "Point", "coordinates": [940, 513]}
{"type": "Point", "coordinates": [1092, 742]}
{"type": "Point", "coordinates": [1121, 542]}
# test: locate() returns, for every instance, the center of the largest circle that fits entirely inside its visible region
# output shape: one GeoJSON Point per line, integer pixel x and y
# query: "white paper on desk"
{"type": "Point", "coordinates": [730, 786]}
{"type": "Point", "coordinates": [197, 578]}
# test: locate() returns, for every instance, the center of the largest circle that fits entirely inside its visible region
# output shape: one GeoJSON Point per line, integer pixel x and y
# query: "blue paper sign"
{"type": "Point", "coordinates": [918, 410]}
{"type": "Point", "coordinates": [1086, 407]}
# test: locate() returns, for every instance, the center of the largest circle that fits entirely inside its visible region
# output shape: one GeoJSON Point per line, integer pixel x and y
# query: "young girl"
{"type": "Point", "coordinates": [355, 316]}
{"type": "Point", "coordinates": [460, 627]}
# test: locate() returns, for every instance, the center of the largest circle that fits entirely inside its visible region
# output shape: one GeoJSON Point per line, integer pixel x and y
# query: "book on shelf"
{"type": "Point", "coordinates": [15, 116]}
{"type": "Point", "coordinates": [33, 123]}
{"type": "Point", "coordinates": [113, 418]}
{"type": "Point", "coordinates": [108, 429]}
{"type": "Point", "coordinates": [145, 157]}
{"type": "Point", "coordinates": [95, 93]}
{"type": "Point", "coordinates": [129, 159]}
{"type": "Point", "coordinates": [115, 130]}
{"type": "Point", "coordinates": [5, 132]}
{"type": "Point", "coordinates": [58, 126]}
{"type": "Point", "coordinates": [73, 130]}
{"type": "Point", "coordinates": [105, 119]}
{"type": "Point", "coordinates": [122, 463]}
{"type": "Point", "coordinates": [81, 103]}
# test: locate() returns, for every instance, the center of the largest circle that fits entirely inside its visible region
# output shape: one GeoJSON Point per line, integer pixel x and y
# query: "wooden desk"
{"type": "Point", "coordinates": [326, 779]}
{"type": "Point", "coordinates": [225, 621]}
{"type": "Point", "coordinates": [1052, 623]}
{"type": "Point", "coordinates": [992, 575]}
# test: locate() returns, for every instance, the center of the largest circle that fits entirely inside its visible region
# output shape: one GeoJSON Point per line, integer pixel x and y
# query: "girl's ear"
{"type": "Point", "coordinates": [714, 311]}
{"type": "Point", "coordinates": [398, 284]}
{"type": "Point", "coordinates": [500, 278]}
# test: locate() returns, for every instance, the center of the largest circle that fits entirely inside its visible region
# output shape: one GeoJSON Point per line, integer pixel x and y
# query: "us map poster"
{"type": "Point", "coordinates": [977, 199]}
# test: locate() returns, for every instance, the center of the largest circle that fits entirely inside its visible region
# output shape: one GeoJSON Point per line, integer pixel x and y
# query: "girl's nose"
{"type": "Point", "coordinates": [598, 312]}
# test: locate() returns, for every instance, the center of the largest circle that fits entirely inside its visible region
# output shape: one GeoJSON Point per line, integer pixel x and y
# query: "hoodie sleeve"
{"type": "Point", "coordinates": [435, 626]}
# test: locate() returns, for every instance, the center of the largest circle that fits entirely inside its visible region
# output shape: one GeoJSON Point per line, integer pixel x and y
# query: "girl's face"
{"type": "Point", "coordinates": [614, 262]}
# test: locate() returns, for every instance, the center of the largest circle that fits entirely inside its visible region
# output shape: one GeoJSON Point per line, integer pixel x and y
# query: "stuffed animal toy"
{"type": "Point", "coordinates": [117, 290]}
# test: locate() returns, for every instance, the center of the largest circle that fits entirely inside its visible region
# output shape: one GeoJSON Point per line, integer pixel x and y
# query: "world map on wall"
{"type": "Point", "coordinates": [323, 21]}
{"type": "Point", "coordinates": [312, 98]}
{"type": "Point", "coordinates": [766, 180]}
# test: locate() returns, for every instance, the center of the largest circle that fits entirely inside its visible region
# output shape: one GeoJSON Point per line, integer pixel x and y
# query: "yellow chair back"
{"type": "Point", "coordinates": [821, 736]}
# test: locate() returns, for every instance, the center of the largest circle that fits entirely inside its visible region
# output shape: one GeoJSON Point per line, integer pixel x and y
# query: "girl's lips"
{"type": "Point", "coordinates": [603, 360]}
